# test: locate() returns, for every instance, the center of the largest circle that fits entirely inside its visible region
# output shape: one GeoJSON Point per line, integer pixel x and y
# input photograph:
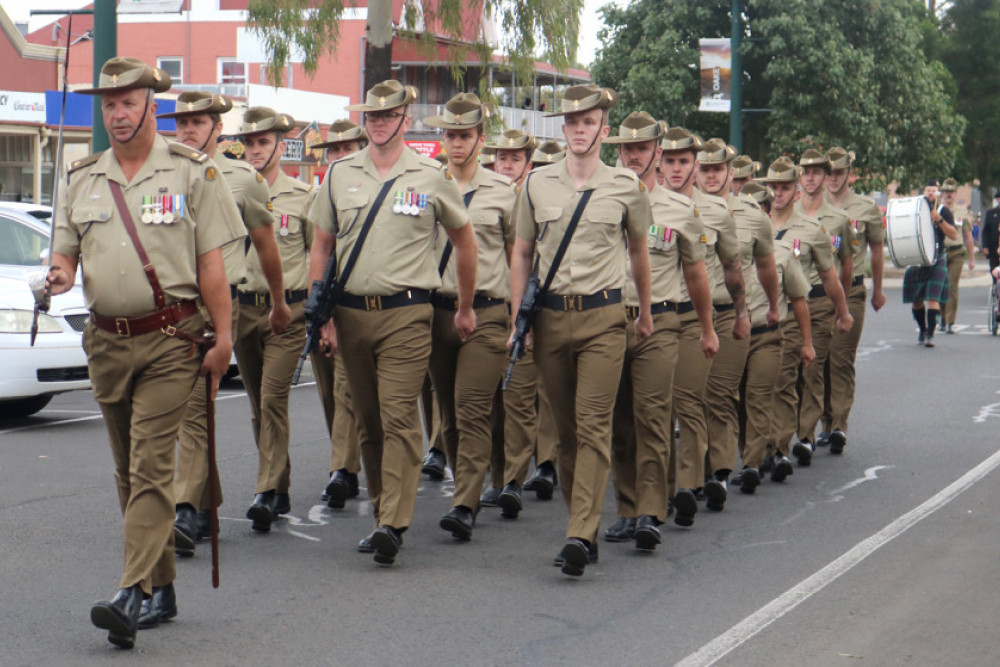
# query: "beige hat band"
{"type": "Point", "coordinates": [627, 135]}
{"type": "Point", "coordinates": [714, 157]}
{"type": "Point", "coordinates": [589, 102]}
{"type": "Point", "coordinates": [744, 172]}
{"type": "Point", "coordinates": [123, 80]}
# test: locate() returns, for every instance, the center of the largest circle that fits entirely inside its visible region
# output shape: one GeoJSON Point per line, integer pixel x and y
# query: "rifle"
{"type": "Point", "coordinates": [522, 324]}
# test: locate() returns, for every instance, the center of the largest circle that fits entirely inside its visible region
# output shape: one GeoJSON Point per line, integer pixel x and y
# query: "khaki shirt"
{"type": "Point", "coordinates": [866, 219]}
{"type": "Point", "coordinates": [791, 280]}
{"type": "Point", "coordinates": [399, 251]}
{"type": "Point", "coordinates": [755, 231]}
{"type": "Point", "coordinates": [290, 201]}
{"type": "Point", "coordinates": [87, 225]}
{"type": "Point", "coordinates": [813, 250]}
{"type": "Point", "coordinates": [838, 226]}
{"type": "Point", "coordinates": [490, 211]}
{"type": "Point", "coordinates": [254, 202]}
{"type": "Point", "coordinates": [595, 258]}
{"type": "Point", "coordinates": [675, 237]}
{"type": "Point", "coordinates": [963, 223]}
{"type": "Point", "coordinates": [723, 241]}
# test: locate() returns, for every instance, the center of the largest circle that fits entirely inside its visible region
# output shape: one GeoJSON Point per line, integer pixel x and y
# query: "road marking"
{"type": "Point", "coordinates": [870, 475]}
{"type": "Point", "coordinates": [880, 346]}
{"type": "Point", "coordinates": [753, 624]}
{"type": "Point", "coordinates": [987, 411]}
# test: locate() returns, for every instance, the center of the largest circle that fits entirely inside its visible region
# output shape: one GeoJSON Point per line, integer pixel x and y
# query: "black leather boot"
{"type": "Point", "coordinates": [119, 616]}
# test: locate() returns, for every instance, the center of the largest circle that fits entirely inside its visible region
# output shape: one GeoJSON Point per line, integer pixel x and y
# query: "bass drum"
{"type": "Point", "coordinates": [909, 232]}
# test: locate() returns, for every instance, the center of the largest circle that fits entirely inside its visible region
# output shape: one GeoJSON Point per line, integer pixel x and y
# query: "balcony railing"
{"type": "Point", "coordinates": [228, 89]}
{"type": "Point", "coordinates": [527, 120]}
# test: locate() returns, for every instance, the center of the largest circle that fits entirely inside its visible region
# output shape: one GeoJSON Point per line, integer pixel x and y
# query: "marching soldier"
{"type": "Point", "coordinates": [199, 123]}
{"type": "Point", "coordinates": [642, 429]}
{"type": "Point", "coordinates": [866, 219]}
{"type": "Point", "coordinates": [812, 247]}
{"type": "Point", "coordinates": [579, 334]}
{"type": "Point", "coordinates": [815, 167]}
{"type": "Point", "coordinates": [549, 152]}
{"type": "Point", "coordinates": [382, 325]}
{"type": "Point", "coordinates": [344, 138]}
{"type": "Point", "coordinates": [267, 360]}
{"type": "Point", "coordinates": [960, 251]}
{"type": "Point", "coordinates": [744, 169]}
{"type": "Point", "coordinates": [148, 219]}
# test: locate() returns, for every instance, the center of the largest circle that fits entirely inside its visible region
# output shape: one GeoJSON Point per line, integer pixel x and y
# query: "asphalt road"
{"type": "Point", "coordinates": [886, 555]}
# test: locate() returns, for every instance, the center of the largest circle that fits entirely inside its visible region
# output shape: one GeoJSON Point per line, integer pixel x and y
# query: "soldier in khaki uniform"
{"type": "Point", "coordinates": [145, 315]}
{"type": "Point", "coordinates": [466, 372]}
{"type": "Point", "coordinates": [580, 329]}
{"type": "Point", "coordinates": [344, 138]}
{"type": "Point", "coordinates": [815, 166]}
{"type": "Point", "coordinates": [383, 321]}
{"type": "Point", "coordinates": [959, 251]}
{"type": "Point", "coordinates": [744, 169]}
{"type": "Point", "coordinates": [642, 430]}
{"type": "Point", "coordinates": [756, 239]}
{"type": "Point", "coordinates": [866, 219]}
{"type": "Point", "coordinates": [199, 124]}
{"type": "Point", "coordinates": [549, 152]}
{"type": "Point", "coordinates": [267, 360]}
{"type": "Point", "coordinates": [811, 245]}
{"type": "Point", "coordinates": [529, 428]}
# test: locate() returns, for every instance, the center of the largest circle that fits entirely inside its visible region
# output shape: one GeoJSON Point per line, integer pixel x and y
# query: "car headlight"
{"type": "Point", "coordinates": [19, 321]}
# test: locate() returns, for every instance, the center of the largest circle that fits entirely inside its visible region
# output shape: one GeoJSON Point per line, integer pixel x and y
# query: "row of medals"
{"type": "Point", "coordinates": [409, 203]}
{"type": "Point", "coordinates": [659, 237]}
{"type": "Point", "coordinates": [162, 209]}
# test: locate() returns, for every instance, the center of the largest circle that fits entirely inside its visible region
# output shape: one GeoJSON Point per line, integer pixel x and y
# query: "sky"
{"type": "Point", "coordinates": [590, 21]}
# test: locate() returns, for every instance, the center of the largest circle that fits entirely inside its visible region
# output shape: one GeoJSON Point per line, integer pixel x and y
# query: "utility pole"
{"type": "Point", "coordinates": [736, 77]}
{"type": "Point", "coordinates": [105, 48]}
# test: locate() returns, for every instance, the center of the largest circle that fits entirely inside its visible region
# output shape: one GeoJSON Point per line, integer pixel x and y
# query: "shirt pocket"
{"type": "Point", "coordinates": [545, 216]}
{"type": "Point", "coordinates": [746, 245]}
{"type": "Point", "coordinates": [488, 224]}
{"type": "Point", "coordinates": [83, 219]}
{"type": "Point", "coordinates": [349, 211]}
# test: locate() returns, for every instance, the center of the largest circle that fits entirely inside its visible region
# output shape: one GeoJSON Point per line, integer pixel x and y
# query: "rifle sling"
{"type": "Point", "coordinates": [446, 255]}
{"type": "Point", "coordinates": [352, 258]}
{"type": "Point", "coordinates": [564, 243]}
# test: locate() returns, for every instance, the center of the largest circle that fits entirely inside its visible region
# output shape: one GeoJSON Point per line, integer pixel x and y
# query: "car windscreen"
{"type": "Point", "coordinates": [20, 244]}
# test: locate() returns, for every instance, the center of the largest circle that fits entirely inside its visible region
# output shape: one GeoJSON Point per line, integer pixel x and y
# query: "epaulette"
{"type": "Point", "coordinates": [678, 198]}
{"type": "Point", "coordinates": [299, 185]}
{"type": "Point", "coordinates": [83, 162]}
{"type": "Point", "coordinates": [242, 165]}
{"type": "Point", "coordinates": [190, 153]}
{"type": "Point", "coordinates": [499, 178]}
{"type": "Point", "coordinates": [622, 172]}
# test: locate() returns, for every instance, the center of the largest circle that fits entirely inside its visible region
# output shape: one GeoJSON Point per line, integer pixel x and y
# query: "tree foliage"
{"type": "Point", "coordinates": [831, 73]}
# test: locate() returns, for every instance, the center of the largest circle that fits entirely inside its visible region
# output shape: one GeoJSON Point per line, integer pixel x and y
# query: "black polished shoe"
{"type": "Point", "coordinates": [204, 526]}
{"type": "Point", "coordinates": [158, 609]}
{"type": "Point", "coordinates": [282, 504]}
{"type": "Point", "coordinates": [543, 481]}
{"type": "Point", "coordinates": [490, 497]}
{"type": "Point", "coordinates": [434, 464]}
{"type": "Point", "coordinates": [803, 453]}
{"type": "Point", "coordinates": [338, 490]}
{"type": "Point", "coordinates": [782, 469]}
{"type": "Point", "coordinates": [386, 542]}
{"type": "Point", "coordinates": [716, 492]}
{"type": "Point", "coordinates": [749, 480]}
{"type": "Point", "coordinates": [560, 560]}
{"type": "Point", "coordinates": [459, 522]}
{"type": "Point", "coordinates": [838, 440]}
{"type": "Point", "coordinates": [823, 439]}
{"type": "Point", "coordinates": [119, 616]}
{"type": "Point", "coordinates": [576, 556]}
{"type": "Point", "coordinates": [365, 545]}
{"type": "Point", "coordinates": [767, 465]}
{"type": "Point", "coordinates": [685, 507]}
{"type": "Point", "coordinates": [621, 530]}
{"type": "Point", "coordinates": [647, 535]}
{"type": "Point", "coordinates": [261, 512]}
{"type": "Point", "coordinates": [950, 329]}
{"type": "Point", "coordinates": [185, 530]}
{"type": "Point", "coordinates": [510, 501]}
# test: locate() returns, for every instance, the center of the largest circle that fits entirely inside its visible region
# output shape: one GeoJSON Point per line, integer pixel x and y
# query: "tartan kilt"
{"type": "Point", "coordinates": [927, 283]}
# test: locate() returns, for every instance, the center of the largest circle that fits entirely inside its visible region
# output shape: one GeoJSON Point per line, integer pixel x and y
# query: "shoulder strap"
{"type": "Point", "coordinates": [446, 255]}
{"type": "Point", "coordinates": [781, 233]}
{"type": "Point", "coordinates": [147, 266]}
{"type": "Point", "coordinates": [352, 258]}
{"type": "Point", "coordinates": [564, 244]}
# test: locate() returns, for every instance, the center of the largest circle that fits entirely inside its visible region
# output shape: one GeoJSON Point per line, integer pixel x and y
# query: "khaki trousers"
{"type": "Point", "coordinates": [267, 363]}
{"type": "Point", "coordinates": [331, 383]}
{"type": "Point", "coordinates": [323, 369]}
{"type": "Point", "coordinates": [191, 480]}
{"type": "Point", "coordinates": [956, 261]}
{"type": "Point", "coordinates": [529, 428]}
{"type": "Point", "coordinates": [142, 385]}
{"type": "Point", "coordinates": [840, 367]}
{"type": "Point", "coordinates": [786, 392]}
{"type": "Point", "coordinates": [722, 395]}
{"type": "Point", "coordinates": [812, 384]}
{"type": "Point", "coordinates": [642, 433]}
{"type": "Point", "coordinates": [466, 376]}
{"type": "Point", "coordinates": [690, 380]}
{"type": "Point", "coordinates": [579, 356]}
{"type": "Point", "coordinates": [385, 355]}
{"type": "Point", "coordinates": [757, 392]}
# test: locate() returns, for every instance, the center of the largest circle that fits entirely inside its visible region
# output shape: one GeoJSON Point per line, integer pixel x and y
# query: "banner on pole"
{"type": "Point", "coordinates": [716, 73]}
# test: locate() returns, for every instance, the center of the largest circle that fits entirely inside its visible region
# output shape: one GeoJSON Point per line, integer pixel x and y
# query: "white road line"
{"type": "Point", "coordinates": [750, 626]}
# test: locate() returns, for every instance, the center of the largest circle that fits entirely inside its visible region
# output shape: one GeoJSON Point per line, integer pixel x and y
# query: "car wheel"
{"type": "Point", "coordinates": [23, 407]}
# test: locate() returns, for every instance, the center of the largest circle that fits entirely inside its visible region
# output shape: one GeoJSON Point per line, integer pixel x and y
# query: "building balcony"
{"type": "Point", "coordinates": [527, 120]}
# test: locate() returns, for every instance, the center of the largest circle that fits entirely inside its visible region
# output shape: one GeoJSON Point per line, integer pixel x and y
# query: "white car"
{"type": "Point", "coordinates": [57, 363]}
{"type": "Point", "coordinates": [38, 211]}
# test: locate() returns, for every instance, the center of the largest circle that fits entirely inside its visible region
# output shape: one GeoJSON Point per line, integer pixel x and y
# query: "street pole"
{"type": "Point", "coordinates": [105, 48]}
{"type": "Point", "coordinates": [736, 78]}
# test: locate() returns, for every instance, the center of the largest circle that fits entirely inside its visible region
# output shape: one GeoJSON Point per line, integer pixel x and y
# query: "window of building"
{"type": "Point", "coordinates": [232, 72]}
{"type": "Point", "coordinates": [174, 66]}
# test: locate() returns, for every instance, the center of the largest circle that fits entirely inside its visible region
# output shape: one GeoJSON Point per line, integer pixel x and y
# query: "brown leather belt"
{"type": "Point", "coordinates": [165, 318]}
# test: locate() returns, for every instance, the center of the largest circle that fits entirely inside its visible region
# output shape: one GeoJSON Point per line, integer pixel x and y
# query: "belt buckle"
{"type": "Point", "coordinates": [170, 329]}
{"type": "Point", "coordinates": [122, 323]}
{"type": "Point", "coordinates": [259, 299]}
{"type": "Point", "coordinates": [456, 304]}
{"type": "Point", "coordinates": [373, 303]}
{"type": "Point", "coordinates": [573, 302]}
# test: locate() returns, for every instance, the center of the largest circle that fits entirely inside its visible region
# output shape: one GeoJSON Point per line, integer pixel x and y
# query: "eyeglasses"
{"type": "Point", "coordinates": [383, 116]}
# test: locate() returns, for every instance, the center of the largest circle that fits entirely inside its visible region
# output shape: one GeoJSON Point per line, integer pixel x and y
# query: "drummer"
{"type": "Point", "coordinates": [926, 287]}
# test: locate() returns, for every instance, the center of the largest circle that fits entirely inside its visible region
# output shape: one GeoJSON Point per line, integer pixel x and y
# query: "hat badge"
{"type": "Point", "coordinates": [156, 75]}
{"type": "Point", "coordinates": [458, 118]}
{"type": "Point", "coordinates": [673, 143]}
{"type": "Point", "coordinates": [253, 126]}
{"type": "Point", "coordinates": [576, 104]}
{"type": "Point", "coordinates": [381, 101]}
{"type": "Point", "coordinates": [114, 79]}
{"type": "Point", "coordinates": [635, 133]}
{"type": "Point", "coordinates": [340, 135]}
{"type": "Point", "coordinates": [190, 105]}
{"type": "Point", "coordinates": [510, 141]}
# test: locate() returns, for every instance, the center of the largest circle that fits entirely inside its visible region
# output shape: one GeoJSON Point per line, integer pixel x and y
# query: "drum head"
{"type": "Point", "coordinates": [910, 232]}
{"type": "Point", "coordinates": [928, 246]}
